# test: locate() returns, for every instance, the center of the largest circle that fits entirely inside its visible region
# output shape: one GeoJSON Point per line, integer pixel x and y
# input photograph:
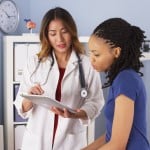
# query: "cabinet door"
{"type": "Point", "coordinates": [21, 52]}
{"type": "Point", "coordinates": [19, 132]}
{"type": "Point", "coordinates": [1, 138]}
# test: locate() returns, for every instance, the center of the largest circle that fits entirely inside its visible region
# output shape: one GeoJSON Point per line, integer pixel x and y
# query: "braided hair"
{"type": "Point", "coordinates": [119, 33]}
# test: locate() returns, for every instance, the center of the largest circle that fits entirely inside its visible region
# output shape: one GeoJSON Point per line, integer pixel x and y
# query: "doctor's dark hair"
{"type": "Point", "coordinates": [119, 33]}
{"type": "Point", "coordinates": [69, 23]}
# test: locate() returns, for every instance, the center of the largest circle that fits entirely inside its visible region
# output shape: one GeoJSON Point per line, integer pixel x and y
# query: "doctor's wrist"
{"type": "Point", "coordinates": [26, 105]}
{"type": "Point", "coordinates": [81, 114]}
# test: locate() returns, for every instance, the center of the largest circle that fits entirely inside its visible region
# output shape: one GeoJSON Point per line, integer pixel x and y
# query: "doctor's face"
{"type": "Point", "coordinates": [101, 54]}
{"type": "Point", "coordinates": [59, 37]}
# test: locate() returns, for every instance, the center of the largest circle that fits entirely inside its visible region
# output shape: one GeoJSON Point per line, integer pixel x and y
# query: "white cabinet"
{"type": "Point", "coordinates": [16, 51]}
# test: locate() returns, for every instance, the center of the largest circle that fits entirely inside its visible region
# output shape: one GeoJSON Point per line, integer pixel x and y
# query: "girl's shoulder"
{"type": "Point", "coordinates": [127, 73]}
{"type": "Point", "coordinates": [127, 76]}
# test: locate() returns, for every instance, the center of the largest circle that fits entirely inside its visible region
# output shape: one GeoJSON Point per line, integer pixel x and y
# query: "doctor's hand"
{"type": "Point", "coordinates": [36, 90]}
{"type": "Point", "coordinates": [27, 104]}
{"type": "Point", "coordinates": [80, 114]}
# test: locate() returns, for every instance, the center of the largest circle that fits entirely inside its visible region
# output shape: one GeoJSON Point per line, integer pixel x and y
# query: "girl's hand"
{"type": "Point", "coordinates": [66, 114]}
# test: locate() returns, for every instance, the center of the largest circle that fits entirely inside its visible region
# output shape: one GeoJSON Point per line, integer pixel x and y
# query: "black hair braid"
{"type": "Point", "coordinates": [119, 33]}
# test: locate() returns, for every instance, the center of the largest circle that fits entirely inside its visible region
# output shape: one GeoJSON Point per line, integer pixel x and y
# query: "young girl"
{"type": "Point", "coordinates": [115, 49]}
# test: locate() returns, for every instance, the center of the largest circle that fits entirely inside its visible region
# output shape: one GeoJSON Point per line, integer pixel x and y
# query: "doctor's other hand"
{"type": "Point", "coordinates": [26, 105]}
{"type": "Point", "coordinates": [80, 114]}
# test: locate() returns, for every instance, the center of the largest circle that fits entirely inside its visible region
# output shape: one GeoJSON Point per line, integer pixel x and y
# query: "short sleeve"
{"type": "Point", "coordinates": [127, 84]}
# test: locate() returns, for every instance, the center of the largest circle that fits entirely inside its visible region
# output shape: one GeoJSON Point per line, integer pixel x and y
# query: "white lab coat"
{"type": "Point", "coordinates": [71, 133]}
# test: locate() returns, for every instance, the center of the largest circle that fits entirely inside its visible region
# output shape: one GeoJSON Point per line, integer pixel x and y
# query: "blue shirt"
{"type": "Point", "coordinates": [130, 84]}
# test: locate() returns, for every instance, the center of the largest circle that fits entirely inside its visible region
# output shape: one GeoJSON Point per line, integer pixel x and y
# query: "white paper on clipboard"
{"type": "Point", "coordinates": [46, 101]}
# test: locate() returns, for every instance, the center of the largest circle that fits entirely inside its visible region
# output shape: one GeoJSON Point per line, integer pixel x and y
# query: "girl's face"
{"type": "Point", "coordinates": [102, 55]}
{"type": "Point", "coordinates": [59, 37]}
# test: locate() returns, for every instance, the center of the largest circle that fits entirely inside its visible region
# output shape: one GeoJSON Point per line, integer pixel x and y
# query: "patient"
{"type": "Point", "coordinates": [115, 49]}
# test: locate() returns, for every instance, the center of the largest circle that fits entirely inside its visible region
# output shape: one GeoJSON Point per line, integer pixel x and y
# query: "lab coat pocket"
{"type": "Point", "coordinates": [31, 141]}
{"type": "Point", "coordinates": [75, 141]}
{"type": "Point", "coordinates": [76, 127]}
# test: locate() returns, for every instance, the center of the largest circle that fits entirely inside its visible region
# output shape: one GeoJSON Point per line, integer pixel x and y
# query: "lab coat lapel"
{"type": "Point", "coordinates": [72, 64]}
{"type": "Point", "coordinates": [54, 73]}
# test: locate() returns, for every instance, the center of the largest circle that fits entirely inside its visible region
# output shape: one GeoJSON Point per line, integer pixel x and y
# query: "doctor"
{"type": "Point", "coordinates": [63, 72]}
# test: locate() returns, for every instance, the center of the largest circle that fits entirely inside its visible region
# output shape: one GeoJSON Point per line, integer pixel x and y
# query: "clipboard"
{"type": "Point", "coordinates": [46, 102]}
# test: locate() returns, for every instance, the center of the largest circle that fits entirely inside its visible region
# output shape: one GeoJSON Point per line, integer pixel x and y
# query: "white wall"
{"type": "Point", "coordinates": [89, 13]}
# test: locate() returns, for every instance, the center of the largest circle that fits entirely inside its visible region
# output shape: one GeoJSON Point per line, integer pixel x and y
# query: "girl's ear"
{"type": "Point", "coordinates": [117, 51]}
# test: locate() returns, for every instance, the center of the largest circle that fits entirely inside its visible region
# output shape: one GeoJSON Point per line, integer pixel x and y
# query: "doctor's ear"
{"type": "Point", "coordinates": [117, 51]}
